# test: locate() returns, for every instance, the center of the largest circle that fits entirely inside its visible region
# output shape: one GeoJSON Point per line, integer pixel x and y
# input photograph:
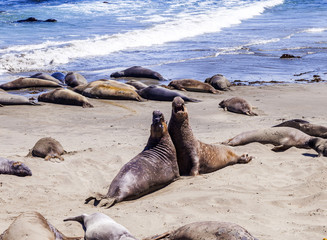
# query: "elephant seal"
{"type": "Point", "coordinates": [74, 79]}
{"type": "Point", "coordinates": [219, 82]}
{"type": "Point", "coordinates": [14, 168]}
{"type": "Point", "coordinates": [33, 226]}
{"type": "Point", "coordinates": [98, 226]}
{"type": "Point", "coordinates": [28, 83]}
{"type": "Point", "coordinates": [157, 93]}
{"type": "Point", "coordinates": [155, 167]}
{"type": "Point", "coordinates": [137, 84]}
{"type": "Point", "coordinates": [138, 72]}
{"type": "Point", "coordinates": [237, 105]}
{"type": "Point", "coordinates": [306, 127]}
{"type": "Point", "coordinates": [47, 148]}
{"type": "Point", "coordinates": [45, 76]}
{"type": "Point", "coordinates": [192, 85]}
{"type": "Point", "coordinates": [13, 99]}
{"type": "Point", "coordinates": [193, 156]}
{"type": "Point", "coordinates": [58, 75]}
{"type": "Point", "coordinates": [65, 96]}
{"type": "Point", "coordinates": [207, 230]}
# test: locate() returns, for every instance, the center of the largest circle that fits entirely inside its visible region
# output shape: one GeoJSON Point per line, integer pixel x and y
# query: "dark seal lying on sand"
{"type": "Point", "coordinates": [138, 72]}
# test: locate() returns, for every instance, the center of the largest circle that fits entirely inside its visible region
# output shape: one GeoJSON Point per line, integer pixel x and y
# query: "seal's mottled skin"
{"type": "Point", "coordinates": [98, 226]}
{"type": "Point", "coordinates": [155, 167]}
{"type": "Point", "coordinates": [237, 105]}
{"type": "Point", "coordinates": [14, 168]}
{"type": "Point", "coordinates": [47, 148]}
{"type": "Point", "coordinates": [138, 72]}
{"type": "Point", "coordinates": [192, 85]}
{"type": "Point", "coordinates": [33, 226]}
{"type": "Point", "coordinates": [74, 79]}
{"type": "Point", "coordinates": [208, 230]}
{"type": "Point", "coordinates": [195, 157]}
{"type": "Point", "coordinates": [28, 83]}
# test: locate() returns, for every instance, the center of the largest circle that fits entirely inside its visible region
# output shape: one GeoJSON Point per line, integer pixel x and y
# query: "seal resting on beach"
{"type": "Point", "coordinates": [47, 148]}
{"type": "Point", "coordinates": [14, 99]}
{"type": "Point", "coordinates": [74, 79]}
{"type": "Point", "coordinates": [137, 84]}
{"type": "Point", "coordinates": [14, 168]}
{"type": "Point", "coordinates": [192, 85]}
{"type": "Point", "coordinates": [33, 226]}
{"type": "Point", "coordinates": [155, 167]}
{"type": "Point", "coordinates": [237, 105]}
{"type": "Point", "coordinates": [209, 230]}
{"type": "Point", "coordinates": [46, 76]}
{"type": "Point", "coordinates": [98, 226]}
{"type": "Point", "coordinates": [193, 156]}
{"type": "Point", "coordinates": [306, 127]}
{"type": "Point", "coordinates": [138, 72]}
{"type": "Point", "coordinates": [60, 76]}
{"type": "Point", "coordinates": [219, 82]}
{"type": "Point", "coordinates": [28, 83]}
{"type": "Point", "coordinates": [157, 93]}
{"type": "Point", "coordinates": [65, 96]}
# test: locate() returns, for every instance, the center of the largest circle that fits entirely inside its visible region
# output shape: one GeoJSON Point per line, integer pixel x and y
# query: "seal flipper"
{"type": "Point", "coordinates": [280, 148]}
{"type": "Point", "coordinates": [107, 201]}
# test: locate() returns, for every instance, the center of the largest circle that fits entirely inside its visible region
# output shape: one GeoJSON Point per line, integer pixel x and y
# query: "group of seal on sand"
{"type": "Point", "coordinates": [14, 168]}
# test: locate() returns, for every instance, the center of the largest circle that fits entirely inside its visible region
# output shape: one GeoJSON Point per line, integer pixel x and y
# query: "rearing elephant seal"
{"type": "Point", "coordinates": [47, 148]}
{"type": "Point", "coordinates": [193, 156]}
{"type": "Point", "coordinates": [138, 72]}
{"type": "Point", "coordinates": [14, 168]}
{"type": "Point", "coordinates": [155, 167]}
{"type": "Point", "coordinates": [209, 230]}
{"type": "Point", "coordinates": [98, 226]}
{"type": "Point", "coordinates": [237, 105]}
{"type": "Point", "coordinates": [33, 226]}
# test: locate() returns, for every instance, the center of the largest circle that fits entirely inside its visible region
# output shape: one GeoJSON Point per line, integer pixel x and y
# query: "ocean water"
{"type": "Point", "coordinates": [241, 39]}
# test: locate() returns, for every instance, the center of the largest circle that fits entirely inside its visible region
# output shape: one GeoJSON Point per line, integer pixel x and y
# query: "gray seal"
{"type": "Point", "coordinates": [237, 105]}
{"type": "Point", "coordinates": [138, 72]}
{"type": "Point", "coordinates": [74, 79]}
{"type": "Point", "coordinates": [45, 76]}
{"type": "Point", "coordinates": [13, 99]}
{"type": "Point", "coordinates": [155, 167]}
{"type": "Point", "coordinates": [219, 82]}
{"type": "Point", "coordinates": [47, 148]}
{"type": "Point", "coordinates": [137, 84]}
{"type": "Point", "coordinates": [98, 226]}
{"type": "Point", "coordinates": [14, 168]}
{"type": "Point", "coordinates": [28, 83]}
{"type": "Point", "coordinates": [33, 226]}
{"type": "Point", "coordinates": [192, 85]}
{"type": "Point", "coordinates": [193, 156]}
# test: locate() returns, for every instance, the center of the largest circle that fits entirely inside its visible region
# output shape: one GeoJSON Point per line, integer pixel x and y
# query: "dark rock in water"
{"type": "Point", "coordinates": [60, 76]}
{"type": "Point", "coordinates": [289, 56]}
{"type": "Point", "coordinates": [33, 19]}
{"type": "Point", "coordinates": [50, 20]}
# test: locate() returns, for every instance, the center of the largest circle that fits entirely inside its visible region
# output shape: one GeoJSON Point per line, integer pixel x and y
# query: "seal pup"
{"type": "Point", "coordinates": [219, 82]}
{"type": "Point", "coordinates": [192, 85]}
{"type": "Point", "coordinates": [74, 79]}
{"type": "Point", "coordinates": [306, 127]}
{"type": "Point", "coordinates": [155, 167]}
{"type": "Point", "coordinates": [157, 93]}
{"type": "Point", "coordinates": [65, 96]}
{"type": "Point", "coordinates": [45, 76]}
{"type": "Point", "coordinates": [33, 226]}
{"type": "Point", "coordinates": [13, 99]}
{"type": "Point", "coordinates": [138, 72]}
{"type": "Point", "coordinates": [14, 168]}
{"type": "Point", "coordinates": [237, 105]}
{"type": "Point", "coordinates": [28, 83]}
{"type": "Point", "coordinates": [193, 156]}
{"type": "Point", "coordinates": [212, 230]}
{"type": "Point", "coordinates": [47, 148]}
{"type": "Point", "coordinates": [98, 226]}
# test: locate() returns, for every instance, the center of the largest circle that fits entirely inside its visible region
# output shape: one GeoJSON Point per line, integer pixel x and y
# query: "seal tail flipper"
{"type": "Point", "coordinates": [191, 99]}
{"type": "Point", "coordinates": [106, 201]}
{"type": "Point", "coordinates": [245, 158]}
{"type": "Point", "coordinates": [157, 237]}
{"type": "Point", "coordinates": [87, 105]}
{"type": "Point", "coordinates": [250, 113]}
{"type": "Point", "coordinates": [79, 219]}
{"type": "Point", "coordinates": [280, 148]}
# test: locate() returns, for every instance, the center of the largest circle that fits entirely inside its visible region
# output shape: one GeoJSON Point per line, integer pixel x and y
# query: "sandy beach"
{"type": "Point", "coordinates": [275, 196]}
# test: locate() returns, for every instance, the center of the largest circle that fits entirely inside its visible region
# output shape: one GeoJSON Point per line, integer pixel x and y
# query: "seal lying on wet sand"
{"type": "Point", "coordinates": [219, 82]}
{"type": "Point", "coordinates": [46, 76]}
{"type": "Point", "coordinates": [237, 105]}
{"type": "Point", "coordinates": [138, 72]}
{"type": "Point", "coordinates": [13, 99]}
{"type": "Point", "coordinates": [47, 148]}
{"type": "Point", "coordinates": [98, 226]}
{"type": "Point", "coordinates": [192, 85]}
{"type": "Point", "coordinates": [153, 168]}
{"type": "Point", "coordinates": [193, 156]}
{"type": "Point", "coordinates": [14, 168]}
{"type": "Point", "coordinates": [28, 83]}
{"type": "Point", "coordinates": [33, 226]}
{"type": "Point", "coordinates": [74, 79]}
{"type": "Point", "coordinates": [207, 230]}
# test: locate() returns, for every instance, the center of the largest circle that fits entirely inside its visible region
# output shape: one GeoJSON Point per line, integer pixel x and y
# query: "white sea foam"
{"type": "Point", "coordinates": [184, 25]}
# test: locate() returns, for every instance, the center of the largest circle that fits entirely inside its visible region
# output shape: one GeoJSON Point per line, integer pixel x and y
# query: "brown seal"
{"type": "Point", "coordinates": [153, 168]}
{"type": "Point", "coordinates": [14, 168]}
{"type": "Point", "coordinates": [237, 105]}
{"type": "Point", "coordinates": [192, 85]}
{"type": "Point", "coordinates": [47, 148]}
{"type": "Point", "coordinates": [207, 230]}
{"type": "Point", "coordinates": [138, 72]}
{"type": "Point", "coordinates": [65, 96]}
{"type": "Point", "coordinates": [306, 127]}
{"type": "Point", "coordinates": [33, 226]}
{"type": "Point", "coordinates": [219, 82]}
{"type": "Point", "coordinates": [282, 137]}
{"type": "Point", "coordinates": [195, 157]}
{"type": "Point", "coordinates": [28, 83]}
{"type": "Point", "coordinates": [74, 79]}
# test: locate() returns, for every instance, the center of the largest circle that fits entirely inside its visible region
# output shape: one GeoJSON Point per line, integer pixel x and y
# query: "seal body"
{"type": "Point", "coordinates": [28, 83]}
{"type": "Point", "coordinates": [14, 168]}
{"type": "Point", "coordinates": [195, 157]}
{"type": "Point", "coordinates": [153, 168]}
{"type": "Point", "coordinates": [74, 79]}
{"type": "Point", "coordinates": [138, 72]}
{"type": "Point", "coordinates": [157, 93]}
{"type": "Point", "coordinates": [47, 148]}
{"type": "Point", "coordinates": [33, 226]}
{"type": "Point", "coordinates": [137, 84]}
{"type": "Point", "coordinates": [60, 76]}
{"type": "Point", "coordinates": [98, 226]}
{"type": "Point", "coordinates": [192, 85]}
{"type": "Point", "coordinates": [46, 77]}
{"type": "Point", "coordinates": [209, 230]}
{"type": "Point", "coordinates": [65, 96]}
{"type": "Point", "coordinates": [219, 82]}
{"type": "Point", "coordinates": [237, 105]}
{"type": "Point", "coordinates": [306, 127]}
{"type": "Point", "coordinates": [13, 99]}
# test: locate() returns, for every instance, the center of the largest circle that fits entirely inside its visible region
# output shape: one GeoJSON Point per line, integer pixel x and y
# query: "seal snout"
{"type": "Point", "coordinates": [157, 118]}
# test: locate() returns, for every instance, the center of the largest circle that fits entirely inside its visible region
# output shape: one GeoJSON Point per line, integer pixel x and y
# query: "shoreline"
{"type": "Point", "coordinates": [276, 195]}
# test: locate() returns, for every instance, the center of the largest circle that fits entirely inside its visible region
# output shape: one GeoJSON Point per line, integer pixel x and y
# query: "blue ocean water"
{"type": "Point", "coordinates": [241, 39]}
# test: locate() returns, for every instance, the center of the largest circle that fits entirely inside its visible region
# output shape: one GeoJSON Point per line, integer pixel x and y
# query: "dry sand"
{"type": "Point", "coordinates": [276, 196]}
